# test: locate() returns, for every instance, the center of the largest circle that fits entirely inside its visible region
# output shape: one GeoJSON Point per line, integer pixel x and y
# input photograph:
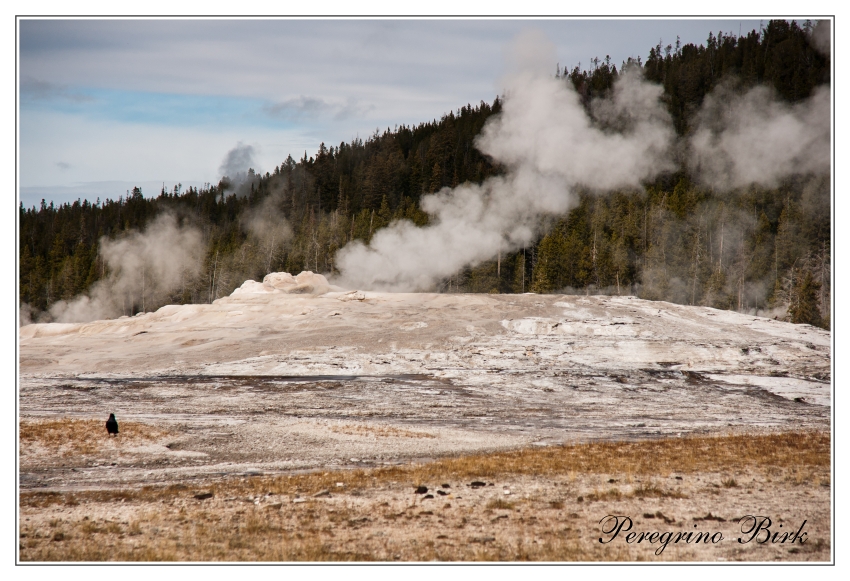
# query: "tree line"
{"type": "Point", "coordinates": [758, 249]}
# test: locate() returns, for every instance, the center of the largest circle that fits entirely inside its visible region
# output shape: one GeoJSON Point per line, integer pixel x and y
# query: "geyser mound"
{"type": "Point", "coordinates": [305, 283]}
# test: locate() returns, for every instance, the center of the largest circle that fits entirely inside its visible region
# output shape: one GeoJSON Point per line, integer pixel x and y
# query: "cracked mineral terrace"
{"type": "Point", "coordinates": [265, 381]}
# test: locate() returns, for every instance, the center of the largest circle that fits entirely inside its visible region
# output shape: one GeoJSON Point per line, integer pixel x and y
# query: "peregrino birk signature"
{"type": "Point", "coordinates": [753, 529]}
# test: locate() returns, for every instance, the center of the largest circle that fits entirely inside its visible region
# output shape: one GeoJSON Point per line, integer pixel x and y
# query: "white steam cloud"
{"type": "Point", "coordinates": [144, 268]}
{"type": "Point", "coordinates": [756, 139]}
{"type": "Point", "coordinates": [549, 146]}
{"type": "Point", "coordinates": [267, 228]}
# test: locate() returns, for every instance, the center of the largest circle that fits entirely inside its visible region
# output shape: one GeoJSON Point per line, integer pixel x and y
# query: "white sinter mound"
{"type": "Point", "coordinates": [280, 365]}
{"type": "Point", "coordinates": [307, 282]}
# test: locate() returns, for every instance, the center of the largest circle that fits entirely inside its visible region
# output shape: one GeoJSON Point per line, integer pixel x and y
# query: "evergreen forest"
{"type": "Point", "coordinates": [753, 249]}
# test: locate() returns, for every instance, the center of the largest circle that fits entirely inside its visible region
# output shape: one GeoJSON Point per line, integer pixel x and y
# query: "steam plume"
{"type": "Point", "coordinates": [549, 146]}
{"type": "Point", "coordinates": [144, 267]}
{"type": "Point", "coordinates": [237, 164]}
{"type": "Point", "coordinates": [756, 139]}
{"type": "Point", "coordinates": [821, 37]}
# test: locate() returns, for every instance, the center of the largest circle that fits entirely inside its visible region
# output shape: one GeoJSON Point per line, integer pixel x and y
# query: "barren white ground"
{"type": "Point", "coordinates": [269, 382]}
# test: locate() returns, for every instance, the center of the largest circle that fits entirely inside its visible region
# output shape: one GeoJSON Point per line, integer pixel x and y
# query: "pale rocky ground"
{"type": "Point", "coordinates": [271, 382]}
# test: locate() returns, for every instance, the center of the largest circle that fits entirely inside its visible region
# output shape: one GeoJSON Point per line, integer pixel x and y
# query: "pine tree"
{"type": "Point", "coordinates": [805, 301]}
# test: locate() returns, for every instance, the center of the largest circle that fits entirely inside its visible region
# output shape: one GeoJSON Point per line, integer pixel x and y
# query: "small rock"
{"type": "Point", "coordinates": [275, 506]}
{"type": "Point", "coordinates": [340, 484]}
{"type": "Point", "coordinates": [445, 485]}
{"type": "Point", "coordinates": [355, 459]}
{"type": "Point", "coordinates": [204, 495]}
{"type": "Point", "coordinates": [442, 493]}
{"type": "Point", "coordinates": [421, 490]}
{"type": "Point", "coordinates": [298, 500]}
{"type": "Point", "coordinates": [477, 484]}
{"type": "Point", "coordinates": [427, 496]}
{"type": "Point", "coordinates": [324, 492]}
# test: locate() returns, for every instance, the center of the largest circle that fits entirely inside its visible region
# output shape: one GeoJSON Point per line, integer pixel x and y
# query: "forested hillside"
{"type": "Point", "coordinates": [750, 248]}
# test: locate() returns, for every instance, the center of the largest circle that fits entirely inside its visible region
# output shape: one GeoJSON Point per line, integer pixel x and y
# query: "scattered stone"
{"type": "Point", "coordinates": [427, 496]}
{"type": "Point", "coordinates": [442, 493]}
{"type": "Point", "coordinates": [324, 492]}
{"type": "Point", "coordinates": [506, 491]}
{"type": "Point", "coordinates": [445, 485]}
{"type": "Point", "coordinates": [340, 484]}
{"type": "Point", "coordinates": [204, 495]}
{"type": "Point", "coordinates": [421, 490]}
{"type": "Point", "coordinates": [477, 484]}
{"type": "Point", "coordinates": [710, 516]}
{"type": "Point", "coordinates": [275, 506]}
{"type": "Point", "coordinates": [667, 520]}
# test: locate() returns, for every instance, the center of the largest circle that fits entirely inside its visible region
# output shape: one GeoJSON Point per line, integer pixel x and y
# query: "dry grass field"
{"type": "Point", "coordinates": [535, 504]}
{"type": "Point", "coordinates": [81, 437]}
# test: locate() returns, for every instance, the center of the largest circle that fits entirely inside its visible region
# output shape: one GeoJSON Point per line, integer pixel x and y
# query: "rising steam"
{"type": "Point", "coordinates": [756, 139]}
{"type": "Point", "coordinates": [236, 167]}
{"type": "Point", "coordinates": [549, 146]}
{"type": "Point", "coordinates": [144, 268]}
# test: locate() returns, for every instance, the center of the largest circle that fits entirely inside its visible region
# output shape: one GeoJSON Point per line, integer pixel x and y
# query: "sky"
{"type": "Point", "coordinates": [105, 105]}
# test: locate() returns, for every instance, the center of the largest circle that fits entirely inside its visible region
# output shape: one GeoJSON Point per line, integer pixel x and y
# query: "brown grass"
{"type": "Point", "coordinates": [70, 436]}
{"type": "Point", "coordinates": [501, 504]}
{"type": "Point", "coordinates": [794, 451]}
{"type": "Point", "coordinates": [379, 431]}
{"type": "Point", "coordinates": [168, 524]}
